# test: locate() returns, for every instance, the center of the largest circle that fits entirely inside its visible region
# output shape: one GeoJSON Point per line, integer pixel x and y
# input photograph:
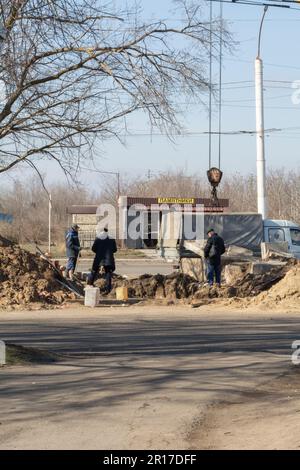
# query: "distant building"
{"type": "Point", "coordinates": [86, 217]}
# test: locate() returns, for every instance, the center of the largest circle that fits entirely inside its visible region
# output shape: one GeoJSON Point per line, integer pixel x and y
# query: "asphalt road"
{"type": "Point", "coordinates": [132, 268]}
{"type": "Point", "coordinates": [134, 378]}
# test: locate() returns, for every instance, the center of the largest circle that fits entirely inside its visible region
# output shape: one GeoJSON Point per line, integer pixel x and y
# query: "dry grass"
{"type": "Point", "coordinates": [20, 355]}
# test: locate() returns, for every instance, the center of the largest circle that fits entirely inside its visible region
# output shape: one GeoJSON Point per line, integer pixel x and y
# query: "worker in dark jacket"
{"type": "Point", "coordinates": [104, 248]}
{"type": "Point", "coordinates": [213, 251]}
{"type": "Point", "coordinates": [73, 250]}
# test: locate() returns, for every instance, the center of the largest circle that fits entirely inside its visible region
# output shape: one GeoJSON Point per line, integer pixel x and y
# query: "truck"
{"type": "Point", "coordinates": [244, 230]}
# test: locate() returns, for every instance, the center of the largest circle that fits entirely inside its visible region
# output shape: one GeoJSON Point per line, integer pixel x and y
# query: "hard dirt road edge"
{"type": "Point", "coordinates": [264, 418]}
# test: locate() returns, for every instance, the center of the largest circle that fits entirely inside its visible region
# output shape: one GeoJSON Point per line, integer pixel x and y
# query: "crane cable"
{"type": "Point", "coordinates": [210, 85]}
{"type": "Point", "coordinates": [220, 83]}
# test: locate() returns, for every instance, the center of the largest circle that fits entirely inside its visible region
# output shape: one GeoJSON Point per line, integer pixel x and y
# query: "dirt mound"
{"type": "Point", "coordinates": [181, 286]}
{"type": "Point", "coordinates": [285, 291]}
{"type": "Point", "coordinates": [26, 278]}
{"type": "Point", "coordinates": [174, 286]}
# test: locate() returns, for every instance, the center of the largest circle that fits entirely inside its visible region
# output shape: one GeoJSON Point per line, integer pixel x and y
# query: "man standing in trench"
{"type": "Point", "coordinates": [73, 250]}
{"type": "Point", "coordinates": [214, 249]}
{"type": "Point", "coordinates": [104, 248]}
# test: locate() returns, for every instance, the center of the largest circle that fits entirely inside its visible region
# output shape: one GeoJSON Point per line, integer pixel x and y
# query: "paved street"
{"type": "Point", "coordinates": [137, 377]}
{"type": "Point", "coordinates": [132, 267]}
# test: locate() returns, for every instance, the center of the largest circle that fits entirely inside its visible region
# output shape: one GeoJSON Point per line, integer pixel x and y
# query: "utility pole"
{"type": "Point", "coordinates": [49, 223]}
{"type": "Point", "coordinates": [119, 186]}
{"type": "Point", "coordinates": [260, 129]}
{"type": "Point", "coordinates": [115, 173]}
{"type": "Point", "coordinates": [118, 177]}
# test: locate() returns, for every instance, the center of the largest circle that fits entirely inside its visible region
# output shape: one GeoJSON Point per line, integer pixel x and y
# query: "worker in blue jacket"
{"type": "Point", "coordinates": [73, 250]}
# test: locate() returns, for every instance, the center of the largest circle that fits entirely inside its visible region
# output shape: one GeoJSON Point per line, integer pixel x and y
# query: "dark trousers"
{"type": "Point", "coordinates": [108, 276]}
{"type": "Point", "coordinates": [213, 273]}
{"type": "Point", "coordinates": [71, 263]}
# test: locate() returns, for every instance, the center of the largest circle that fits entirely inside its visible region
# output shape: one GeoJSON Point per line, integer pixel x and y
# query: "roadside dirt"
{"type": "Point", "coordinates": [146, 378]}
{"type": "Point", "coordinates": [265, 418]}
{"type": "Point", "coordinates": [19, 355]}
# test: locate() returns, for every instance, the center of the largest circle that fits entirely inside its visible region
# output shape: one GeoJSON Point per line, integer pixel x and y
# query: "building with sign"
{"type": "Point", "coordinates": [140, 215]}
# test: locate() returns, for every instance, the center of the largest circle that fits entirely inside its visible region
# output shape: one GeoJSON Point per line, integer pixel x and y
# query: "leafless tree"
{"type": "Point", "coordinates": [282, 188]}
{"type": "Point", "coordinates": [72, 71]}
{"type": "Point", "coordinates": [28, 203]}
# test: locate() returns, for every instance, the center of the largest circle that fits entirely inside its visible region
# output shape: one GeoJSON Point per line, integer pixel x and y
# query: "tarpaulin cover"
{"type": "Point", "coordinates": [244, 230]}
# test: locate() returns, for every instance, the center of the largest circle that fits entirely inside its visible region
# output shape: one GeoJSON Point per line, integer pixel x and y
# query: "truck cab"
{"type": "Point", "coordinates": [280, 231]}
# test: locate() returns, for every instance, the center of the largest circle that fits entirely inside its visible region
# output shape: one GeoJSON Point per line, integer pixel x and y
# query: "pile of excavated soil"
{"type": "Point", "coordinates": [181, 286]}
{"type": "Point", "coordinates": [285, 292]}
{"type": "Point", "coordinates": [26, 278]}
{"type": "Point", "coordinates": [174, 286]}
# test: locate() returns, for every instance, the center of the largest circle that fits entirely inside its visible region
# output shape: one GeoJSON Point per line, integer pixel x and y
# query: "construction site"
{"type": "Point", "coordinates": [149, 228]}
{"type": "Point", "coordinates": [37, 281]}
{"type": "Point", "coordinates": [160, 316]}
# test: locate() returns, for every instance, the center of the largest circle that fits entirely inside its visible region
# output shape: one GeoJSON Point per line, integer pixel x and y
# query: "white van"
{"type": "Point", "coordinates": [276, 231]}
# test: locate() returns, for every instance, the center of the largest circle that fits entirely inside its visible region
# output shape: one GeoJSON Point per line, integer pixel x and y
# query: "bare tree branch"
{"type": "Point", "coordinates": [73, 71]}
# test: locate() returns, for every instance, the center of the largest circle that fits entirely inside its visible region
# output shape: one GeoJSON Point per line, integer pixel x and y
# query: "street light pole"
{"type": "Point", "coordinates": [49, 223]}
{"type": "Point", "coordinates": [119, 188]}
{"type": "Point", "coordinates": [260, 129]}
{"type": "Point", "coordinates": [115, 173]}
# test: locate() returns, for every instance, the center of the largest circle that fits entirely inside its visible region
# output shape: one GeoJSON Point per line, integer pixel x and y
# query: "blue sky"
{"type": "Point", "coordinates": [280, 51]}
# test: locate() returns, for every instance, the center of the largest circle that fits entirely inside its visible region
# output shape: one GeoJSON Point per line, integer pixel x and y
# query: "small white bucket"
{"type": "Point", "coordinates": [92, 296]}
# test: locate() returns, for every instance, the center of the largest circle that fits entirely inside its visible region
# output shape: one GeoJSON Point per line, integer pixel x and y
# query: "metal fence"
{"type": "Point", "coordinates": [87, 238]}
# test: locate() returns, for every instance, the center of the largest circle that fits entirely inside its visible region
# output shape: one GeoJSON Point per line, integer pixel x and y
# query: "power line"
{"type": "Point", "coordinates": [253, 99]}
{"type": "Point", "coordinates": [266, 63]}
{"type": "Point", "coordinates": [220, 83]}
{"type": "Point", "coordinates": [259, 4]}
{"type": "Point", "coordinates": [213, 133]}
